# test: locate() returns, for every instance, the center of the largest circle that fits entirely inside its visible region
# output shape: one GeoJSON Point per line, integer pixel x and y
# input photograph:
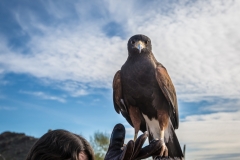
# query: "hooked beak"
{"type": "Point", "coordinates": [139, 45]}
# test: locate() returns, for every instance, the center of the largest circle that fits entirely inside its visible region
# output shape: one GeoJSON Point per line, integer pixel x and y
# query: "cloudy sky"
{"type": "Point", "coordinates": [58, 59]}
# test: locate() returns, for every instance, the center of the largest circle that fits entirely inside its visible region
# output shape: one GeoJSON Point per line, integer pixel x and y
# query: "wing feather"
{"type": "Point", "coordinates": [118, 101]}
{"type": "Point", "coordinates": [117, 92]}
{"type": "Point", "coordinates": [167, 87]}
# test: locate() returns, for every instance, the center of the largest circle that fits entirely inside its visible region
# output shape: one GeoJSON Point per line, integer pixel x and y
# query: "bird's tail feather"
{"type": "Point", "coordinates": [172, 143]}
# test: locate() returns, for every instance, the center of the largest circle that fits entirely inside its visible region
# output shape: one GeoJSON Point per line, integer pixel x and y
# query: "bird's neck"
{"type": "Point", "coordinates": [138, 57]}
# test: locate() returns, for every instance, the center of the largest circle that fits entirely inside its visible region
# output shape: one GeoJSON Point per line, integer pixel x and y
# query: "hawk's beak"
{"type": "Point", "coordinates": [139, 45]}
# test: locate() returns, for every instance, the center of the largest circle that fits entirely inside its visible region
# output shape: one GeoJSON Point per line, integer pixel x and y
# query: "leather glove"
{"type": "Point", "coordinates": [167, 158]}
{"type": "Point", "coordinates": [133, 150]}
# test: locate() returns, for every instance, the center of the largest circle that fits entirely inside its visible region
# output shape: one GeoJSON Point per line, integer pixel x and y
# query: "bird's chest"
{"type": "Point", "coordinates": [138, 76]}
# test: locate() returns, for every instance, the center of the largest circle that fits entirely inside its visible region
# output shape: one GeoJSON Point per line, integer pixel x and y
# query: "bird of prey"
{"type": "Point", "coordinates": [144, 94]}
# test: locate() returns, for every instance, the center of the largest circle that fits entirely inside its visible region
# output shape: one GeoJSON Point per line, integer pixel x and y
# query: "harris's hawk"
{"type": "Point", "coordinates": [144, 94]}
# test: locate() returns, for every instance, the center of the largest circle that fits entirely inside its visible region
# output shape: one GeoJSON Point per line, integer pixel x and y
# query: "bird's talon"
{"type": "Point", "coordinates": [164, 150]}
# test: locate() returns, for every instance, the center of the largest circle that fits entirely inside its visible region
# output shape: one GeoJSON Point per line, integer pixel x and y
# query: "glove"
{"type": "Point", "coordinates": [167, 158]}
{"type": "Point", "coordinates": [133, 150]}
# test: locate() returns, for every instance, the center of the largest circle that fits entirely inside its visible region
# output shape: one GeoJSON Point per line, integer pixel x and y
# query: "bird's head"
{"type": "Point", "coordinates": [139, 44]}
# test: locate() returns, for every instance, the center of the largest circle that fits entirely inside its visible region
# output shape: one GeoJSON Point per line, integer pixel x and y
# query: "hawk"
{"type": "Point", "coordinates": [144, 94]}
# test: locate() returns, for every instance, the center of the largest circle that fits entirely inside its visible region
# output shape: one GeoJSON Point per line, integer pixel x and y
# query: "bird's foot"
{"type": "Point", "coordinates": [135, 137]}
{"type": "Point", "coordinates": [164, 149]}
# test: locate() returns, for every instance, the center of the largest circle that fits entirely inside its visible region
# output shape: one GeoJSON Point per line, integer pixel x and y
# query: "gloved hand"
{"type": "Point", "coordinates": [167, 158]}
{"type": "Point", "coordinates": [133, 150]}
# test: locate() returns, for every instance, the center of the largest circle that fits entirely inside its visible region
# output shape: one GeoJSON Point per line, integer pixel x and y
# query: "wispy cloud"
{"type": "Point", "coordinates": [223, 105]}
{"type": "Point", "coordinates": [222, 116]}
{"type": "Point", "coordinates": [210, 138]}
{"type": "Point", "coordinates": [6, 108]}
{"type": "Point", "coordinates": [212, 135]}
{"type": "Point", "coordinates": [73, 88]}
{"type": "Point", "coordinates": [197, 42]}
{"type": "Point", "coordinates": [43, 95]}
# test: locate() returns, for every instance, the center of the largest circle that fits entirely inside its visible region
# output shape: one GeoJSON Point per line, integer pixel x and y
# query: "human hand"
{"type": "Point", "coordinates": [133, 150]}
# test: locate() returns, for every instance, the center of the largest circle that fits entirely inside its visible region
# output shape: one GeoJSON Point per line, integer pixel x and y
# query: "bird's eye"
{"type": "Point", "coordinates": [146, 42]}
{"type": "Point", "coordinates": [132, 41]}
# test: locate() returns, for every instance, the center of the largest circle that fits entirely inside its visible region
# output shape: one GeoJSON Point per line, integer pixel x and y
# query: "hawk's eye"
{"type": "Point", "coordinates": [146, 42]}
{"type": "Point", "coordinates": [132, 41]}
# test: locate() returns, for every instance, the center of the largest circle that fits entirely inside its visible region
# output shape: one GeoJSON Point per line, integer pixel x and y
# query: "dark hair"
{"type": "Point", "coordinates": [60, 145]}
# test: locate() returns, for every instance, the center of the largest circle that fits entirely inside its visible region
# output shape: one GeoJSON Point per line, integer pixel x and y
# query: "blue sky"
{"type": "Point", "coordinates": [58, 59]}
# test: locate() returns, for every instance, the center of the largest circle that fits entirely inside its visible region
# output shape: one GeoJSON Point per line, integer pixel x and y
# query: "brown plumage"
{"type": "Point", "coordinates": [144, 94]}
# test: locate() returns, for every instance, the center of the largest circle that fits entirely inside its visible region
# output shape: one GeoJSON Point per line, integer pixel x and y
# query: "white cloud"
{"type": "Point", "coordinates": [212, 135]}
{"type": "Point", "coordinates": [43, 95]}
{"type": "Point", "coordinates": [223, 116]}
{"type": "Point", "coordinates": [223, 105]}
{"type": "Point", "coordinates": [75, 89]}
{"type": "Point", "coordinates": [198, 43]}
{"type": "Point", "coordinates": [210, 138]}
{"type": "Point", "coordinates": [199, 48]}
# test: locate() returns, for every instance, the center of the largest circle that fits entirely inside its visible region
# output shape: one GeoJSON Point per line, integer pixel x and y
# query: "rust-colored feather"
{"type": "Point", "coordinates": [167, 87]}
{"type": "Point", "coordinates": [117, 92]}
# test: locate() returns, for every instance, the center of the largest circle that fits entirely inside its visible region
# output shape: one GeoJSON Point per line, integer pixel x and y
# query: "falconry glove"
{"type": "Point", "coordinates": [167, 158]}
{"type": "Point", "coordinates": [133, 150]}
